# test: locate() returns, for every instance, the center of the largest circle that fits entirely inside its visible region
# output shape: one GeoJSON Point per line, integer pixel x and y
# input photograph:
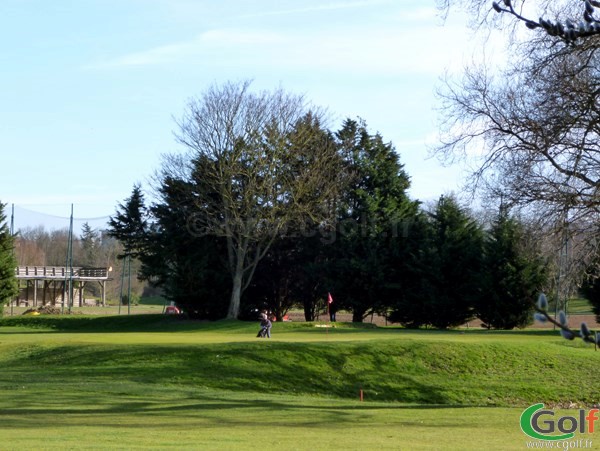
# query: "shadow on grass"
{"type": "Point", "coordinates": [100, 409]}
{"type": "Point", "coordinates": [339, 371]}
{"type": "Point", "coordinates": [416, 372]}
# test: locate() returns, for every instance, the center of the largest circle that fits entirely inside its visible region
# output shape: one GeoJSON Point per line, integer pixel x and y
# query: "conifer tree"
{"type": "Point", "coordinates": [8, 262]}
{"type": "Point", "coordinates": [190, 269]}
{"type": "Point", "coordinates": [372, 216]}
{"type": "Point", "coordinates": [90, 241]}
{"type": "Point", "coordinates": [129, 224]}
{"type": "Point", "coordinates": [265, 169]}
{"type": "Point", "coordinates": [453, 256]}
{"type": "Point", "coordinates": [511, 279]}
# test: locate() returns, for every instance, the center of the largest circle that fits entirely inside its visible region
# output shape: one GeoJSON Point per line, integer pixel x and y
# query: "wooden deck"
{"type": "Point", "coordinates": [58, 284]}
{"type": "Point", "coordinates": [60, 272]}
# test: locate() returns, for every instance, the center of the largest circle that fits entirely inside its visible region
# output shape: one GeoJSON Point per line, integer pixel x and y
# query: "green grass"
{"type": "Point", "coordinates": [153, 300]}
{"type": "Point", "coordinates": [131, 417]}
{"type": "Point", "coordinates": [576, 306]}
{"type": "Point", "coordinates": [158, 382]}
{"type": "Point", "coordinates": [140, 309]}
{"type": "Point", "coordinates": [579, 307]}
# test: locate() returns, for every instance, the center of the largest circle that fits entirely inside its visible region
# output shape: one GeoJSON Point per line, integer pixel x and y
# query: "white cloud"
{"type": "Point", "coordinates": [183, 52]}
{"type": "Point", "coordinates": [393, 50]}
{"type": "Point", "coordinates": [322, 7]}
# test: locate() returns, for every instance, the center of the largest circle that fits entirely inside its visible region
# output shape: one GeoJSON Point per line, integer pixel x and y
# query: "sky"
{"type": "Point", "coordinates": [90, 88]}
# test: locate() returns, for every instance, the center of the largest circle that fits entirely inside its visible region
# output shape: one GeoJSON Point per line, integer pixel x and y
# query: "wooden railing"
{"type": "Point", "coordinates": [60, 272]}
{"type": "Point", "coordinates": [94, 273]}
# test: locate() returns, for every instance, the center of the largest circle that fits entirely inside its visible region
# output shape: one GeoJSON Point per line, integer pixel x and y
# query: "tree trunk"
{"type": "Point", "coordinates": [236, 293]}
{"type": "Point", "coordinates": [309, 311]}
{"type": "Point", "coordinates": [357, 316]}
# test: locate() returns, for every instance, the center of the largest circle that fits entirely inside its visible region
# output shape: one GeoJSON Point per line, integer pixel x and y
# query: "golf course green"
{"type": "Point", "coordinates": [158, 382]}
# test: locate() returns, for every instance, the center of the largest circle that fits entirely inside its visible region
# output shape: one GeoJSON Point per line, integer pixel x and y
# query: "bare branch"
{"type": "Point", "coordinates": [257, 164]}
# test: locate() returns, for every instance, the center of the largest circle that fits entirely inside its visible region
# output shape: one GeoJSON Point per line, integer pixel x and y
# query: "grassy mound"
{"type": "Point", "coordinates": [452, 368]}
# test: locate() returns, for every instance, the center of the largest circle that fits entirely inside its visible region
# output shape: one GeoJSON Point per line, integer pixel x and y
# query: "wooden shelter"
{"type": "Point", "coordinates": [58, 284]}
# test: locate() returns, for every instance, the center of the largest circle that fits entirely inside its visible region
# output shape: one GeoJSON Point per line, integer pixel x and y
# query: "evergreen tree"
{"type": "Point", "coordinates": [90, 244]}
{"type": "Point", "coordinates": [296, 263]}
{"type": "Point", "coordinates": [511, 279]}
{"type": "Point", "coordinates": [409, 279]}
{"type": "Point", "coordinates": [8, 263]}
{"type": "Point", "coordinates": [129, 225]}
{"type": "Point", "coordinates": [266, 171]}
{"type": "Point", "coordinates": [371, 220]}
{"type": "Point", "coordinates": [590, 289]}
{"type": "Point", "coordinates": [284, 276]}
{"type": "Point", "coordinates": [187, 264]}
{"type": "Point", "coordinates": [451, 284]}
{"type": "Point", "coordinates": [274, 282]}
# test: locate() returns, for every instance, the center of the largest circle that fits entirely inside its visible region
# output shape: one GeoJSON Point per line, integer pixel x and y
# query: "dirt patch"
{"type": "Point", "coordinates": [44, 310]}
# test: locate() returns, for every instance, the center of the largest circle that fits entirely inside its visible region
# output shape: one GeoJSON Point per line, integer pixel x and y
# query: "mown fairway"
{"type": "Point", "coordinates": [152, 382]}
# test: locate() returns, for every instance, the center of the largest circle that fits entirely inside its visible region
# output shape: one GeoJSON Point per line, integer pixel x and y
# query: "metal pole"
{"type": "Point", "coordinates": [12, 234]}
{"type": "Point", "coordinates": [562, 270]}
{"type": "Point", "coordinates": [129, 285]}
{"type": "Point", "coordinates": [566, 262]}
{"type": "Point", "coordinates": [122, 283]}
{"type": "Point", "coordinates": [70, 251]}
{"type": "Point", "coordinates": [557, 300]}
{"type": "Point", "coordinates": [65, 285]}
{"type": "Point", "coordinates": [12, 221]}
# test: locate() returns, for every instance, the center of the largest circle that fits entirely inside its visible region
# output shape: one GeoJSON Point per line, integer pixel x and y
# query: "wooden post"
{"type": "Point", "coordinates": [81, 288]}
{"type": "Point", "coordinates": [103, 292]}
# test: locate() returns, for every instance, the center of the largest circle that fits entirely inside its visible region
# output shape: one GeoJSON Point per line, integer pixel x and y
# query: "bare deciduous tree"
{"type": "Point", "coordinates": [259, 164]}
{"type": "Point", "coordinates": [536, 128]}
{"type": "Point", "coordinates": [573, 20]}
{"type": "Point", "coordinates": [532, 128]}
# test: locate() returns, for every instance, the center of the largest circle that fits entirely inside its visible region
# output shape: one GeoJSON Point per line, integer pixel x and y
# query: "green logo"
{"type": "Point", "coordinates": [540, 424]}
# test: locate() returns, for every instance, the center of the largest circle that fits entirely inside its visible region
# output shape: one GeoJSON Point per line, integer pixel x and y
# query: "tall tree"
{"type": "Point", "coordinates": [27, 251]}
{"type": "Point", "coordinates": [372, 214]}
{"type": "Point", "coordinates": [8, 262]}
{"type": "Point", "coordinates": [130, 223]}
{"type": "Point", "coordinates": [90, 244]}
{"type": "Point", "coordinates": [539, 132]}
{"type": "Point", "coordinates": [130, 227]}
{"type": "Point", "coordinates": [454, 256]}
{"type": "Point", "coordinates": [249, 153]}
{"type": "Point", "coordinates": [591, 290]}
{"type": "Point", "coordinates": [190, 269]}
{"type": "Point", "coordinates": [37, 246]}
{"type": "Point", "coordinates": [277, 278]}
{"type": "Point", "coordinates": [285, 276]}
{"type": "Point", "coordinates": [409, 280]}
{"type": "Point", "coordinates": [292, 273]}
{"type": "Point", "coordinates": [533, 122]}
{"type": "Point", "coordinates": [543, 124]}
{"type": "Point", "coordinates": [511, 279]}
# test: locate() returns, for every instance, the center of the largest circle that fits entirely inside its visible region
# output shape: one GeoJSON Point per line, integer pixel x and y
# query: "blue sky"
{"type": "Point", "coordinates": [90, 87]}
